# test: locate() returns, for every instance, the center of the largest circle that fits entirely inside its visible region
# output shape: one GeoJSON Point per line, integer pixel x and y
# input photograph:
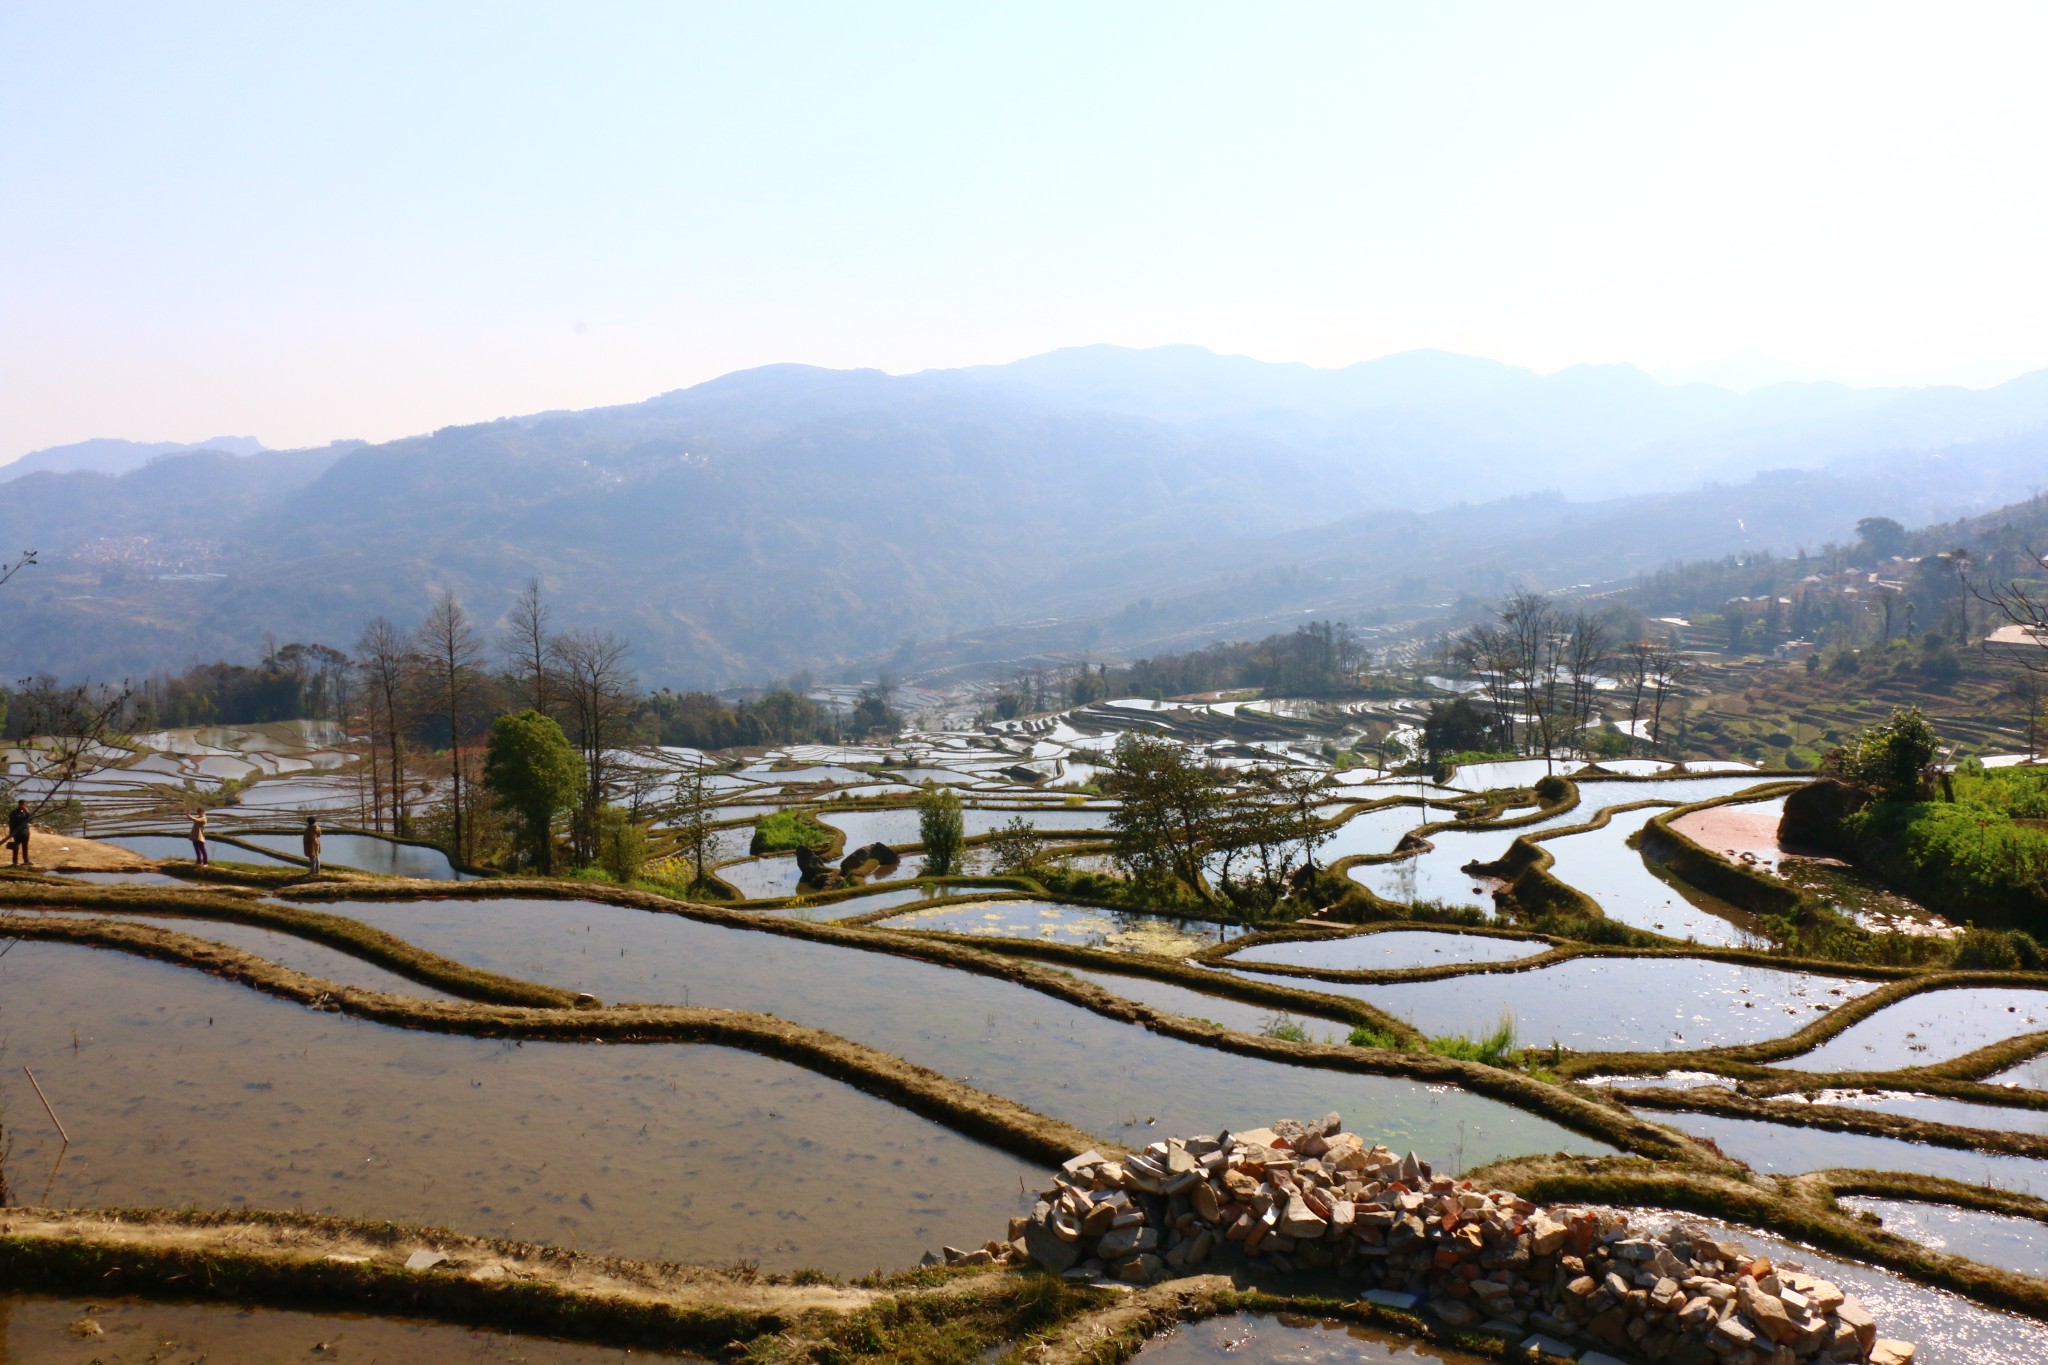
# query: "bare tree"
{"type": "Point", "coordinates": [694, 815]}
{"type": "Point", "coordinates": [1668, 669]}
{"type": "Point", "coordinates": [73, 731]}
{"type": "Point", "coordinates": [2025, 607]}
{"type": "Point", "coordinates": [598, 697]}
{"type": "Point", "coordinates": [524, 643]}
{"type": "Point", "coordinates": [385, 660]}
{"type": "Point", "coordinates": [1636, 674]}
{"type": "Point", "coordinates": [452, 683]}
{"type": "Point", "coordinates": [1586, 657]}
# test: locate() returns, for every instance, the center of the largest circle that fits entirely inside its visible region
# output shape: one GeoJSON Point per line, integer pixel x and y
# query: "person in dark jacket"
{"type": "Point", "coordinates": [18, 828]}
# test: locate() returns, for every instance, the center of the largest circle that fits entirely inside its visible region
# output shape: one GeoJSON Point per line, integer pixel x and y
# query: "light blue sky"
{"type": "Point", "coordinates": [304, 221]}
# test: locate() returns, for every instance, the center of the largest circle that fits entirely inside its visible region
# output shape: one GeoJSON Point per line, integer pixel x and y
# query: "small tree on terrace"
{"type": "Point", "coordinates": [1887, 760]}
{"type": "Point", "coordinates": [1171, 808]}
{"type": "Point", "coordinates": [940, 829]}
{"type": "Point", "coordinates": [533, 774]}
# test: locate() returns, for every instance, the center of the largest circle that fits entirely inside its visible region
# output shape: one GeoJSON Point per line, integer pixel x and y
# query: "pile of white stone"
{"type": "Point", "coordinates": [1312, 1197]}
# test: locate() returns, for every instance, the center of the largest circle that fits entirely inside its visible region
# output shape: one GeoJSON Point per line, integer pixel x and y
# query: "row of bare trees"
{"type": "Point", "coordinates": [1541, 671]}
{"type": "Point", "coordinates": [438, 680]}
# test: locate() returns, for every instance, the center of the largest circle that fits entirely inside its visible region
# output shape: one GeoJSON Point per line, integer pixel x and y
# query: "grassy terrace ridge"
{"type": "Point", "coordinates": [990, 1118]}
{"type": "Point", "coordinates": [1833, 1118]}
{"type": "Point", "coordinates": [1593, 1116]}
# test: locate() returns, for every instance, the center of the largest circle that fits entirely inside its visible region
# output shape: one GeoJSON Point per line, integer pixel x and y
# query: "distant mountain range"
{"type": "Point", "coordinates": [790, 517]}
{"type": "Point", "coordinates": [109, 456]}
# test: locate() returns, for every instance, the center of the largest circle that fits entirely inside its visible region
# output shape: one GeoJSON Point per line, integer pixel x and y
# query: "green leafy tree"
{"type": "Point", "coordinates": [1887, 759]}
{"type": "Point", "coordinates": [1017, 845]}
{"type": "Point", "coordinates": [940, 829]}
{"type": "Point", "coordinates": [533, 774]}
{"type": "Point", "coordinates": [1172, 806]}
{"type": "Point", "coordinates": [621, 844]}
{"type": "Point", "coordinates": [1882, 537]}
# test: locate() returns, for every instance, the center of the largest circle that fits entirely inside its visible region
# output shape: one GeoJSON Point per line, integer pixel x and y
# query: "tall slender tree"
{"type": "Point", "coordinates": [598, 696]}
{"type": "Point", "coordinates": [385, 660]}
{"type": "Point", "coordinates": [524, 643]}
{"type": "Point", "coordinates": [452, 680]}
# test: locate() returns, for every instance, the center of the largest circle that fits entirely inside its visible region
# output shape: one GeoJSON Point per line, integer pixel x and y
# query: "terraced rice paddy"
{"type": "Point", "coordinates": [1934, 1026]}
{"type": "Point", "coordinates": [1082, 925]}
{"type": "Point", "coordinates": [2016, 1244]}
{"type": "Point", "coordinates": [1391, 950]}
{"type": "Point", "coordinates": [1783, 1148]}
{"type": "Point", "coordinates": [179, 1089]}
{"type": "Point", "coordinates": [1595, 1004]}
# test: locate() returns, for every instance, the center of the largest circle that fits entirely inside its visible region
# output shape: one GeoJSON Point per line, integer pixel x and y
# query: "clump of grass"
{"type": "Point", "coordinates": [1367, 1035]}
{"type": "Point", "coordinates": [1489, 1049]}
{"type": "Point", "coordinates": [1285, 1027]}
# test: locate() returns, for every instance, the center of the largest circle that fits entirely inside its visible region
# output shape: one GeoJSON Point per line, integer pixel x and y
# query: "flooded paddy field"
{"type": "Point", "coordinates": [286, 950]}
{"type": "Point", "coordinates": [1084, 926]}
{"type": "Point", "coordinates": [1246, 1337]}
{"type": "Point", "coordinates": [40, 1330]}
{"type": "Point", "coordinates": [1935, 1026]}
{"type": "Point", "coordinates": [1937, 1109]}
{"type": "Point", "coordinates": [179, 1089]}
{"type": "Point", "coordinates": [364, 853]}
{"type": "Point", "coordinates": [1258, 1020]}
{"type": "Point", "coordinates": [1111, 1079]}
{"type": "Point", "coordinates": [1602, 1004]}
{"type": "Point", "coordinates": [1600, 863]}
{"type": "Point", "coordinates": [1390, 950]}
{"type": "Point", "coordinates": [177, 846]}
{"type": "Point", "coordinates": [2012, 1243]}
{"type": "Point", "coordinates": [1786, 1149]}
{"type": "Point", "coordinates": [1948, 1328]}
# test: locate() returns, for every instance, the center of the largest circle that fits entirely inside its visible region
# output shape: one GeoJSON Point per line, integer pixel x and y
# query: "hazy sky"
{"type": "Point", "coordinates": [305, 221]}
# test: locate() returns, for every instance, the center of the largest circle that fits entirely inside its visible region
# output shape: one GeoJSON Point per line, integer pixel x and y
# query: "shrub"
{"type": "Point", "coordinates": [1284, 1027]}
{"type": "Point", "coordinates": [1552, 789]}
{"type": "Point", "coordinates": [784, 830]}
{"type": "Point", "coordinates": [1490, 1049]}
{"type": "Point", "coordinates": [940, 829]}
{"type": "Point", "coordinates": [1365, 1035]}
{"type": "Point", "coordinates": [1887, 759]}
{"type": "Point", "coordinates": [1993, 950]}
{"type": "Point", "coordinates": [621, 844]}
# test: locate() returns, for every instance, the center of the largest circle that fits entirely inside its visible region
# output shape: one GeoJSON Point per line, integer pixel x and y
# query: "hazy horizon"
{"type": "Point", "coordinates": [377, 221]}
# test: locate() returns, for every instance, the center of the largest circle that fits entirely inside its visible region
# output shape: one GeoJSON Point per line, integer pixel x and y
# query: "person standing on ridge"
{"type": "Point", "coordinates": [198, 819]}
{"type": "Point", "coordinates": [18, 828]}
{"type": "Point", "coordinates": [310, 841]}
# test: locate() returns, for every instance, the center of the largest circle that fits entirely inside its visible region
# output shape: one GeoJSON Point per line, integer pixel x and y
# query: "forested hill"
{"type": "Point", "coordinates": [791, 517]}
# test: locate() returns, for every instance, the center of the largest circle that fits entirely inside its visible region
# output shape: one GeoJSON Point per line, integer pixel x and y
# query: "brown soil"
{"type": "Point", "coordinates": [55, 852]}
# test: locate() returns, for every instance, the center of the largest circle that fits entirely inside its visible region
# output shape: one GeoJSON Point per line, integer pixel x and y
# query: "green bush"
{"type": "Point", "coordinates": [1491, 1049]}
{"type": "Point", "coordinates": [1887, 759]}
{"type": "Point", "coordinates": [1994, 950]}
{"type": "Point", "coordinates": [787, 829]}
{"type": "Point", "coordinates": [1365, 1035]}
{"type": "Point", "coordinates": [1962, 858]}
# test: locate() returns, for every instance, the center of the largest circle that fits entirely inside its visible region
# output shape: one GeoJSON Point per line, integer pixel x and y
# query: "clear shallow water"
{"type": "Point", "coordinates": [1231, 1014]}
{"type": "Point", "coordinates": [366, 853]}
{"type": "Point", "coordinates": [1948, 1329]}
{"type": "Point", "coordinates": [1939, 1109]}
{"type": "Point", "coordinates": [126, 878]}
{"type": "Point", "coordinates": [1784, 1149]}
{"type": "Point", "coordinates": [1389, 951]}
{"type": "Point", "coordinates": [2031, 1074]}
{"type": "Point", "coordinates": [286, 950]}
{"type": "Point", "coordinates": [183, 1089]}
{"type": "Point", "coordinates": [1104, 1077]}
{"type": "Point", "coordinates": [1594, 1004]}
{"type": "Point", "coordinates": [1084, 926]}
{"type": "Point", "coordinates": [1935, 1026]}
{"type": "Point", "coordinates": [1258, 1337]}
{"type": "Point", "coordinates": [35, 1330]}
{"type": "Point", "coordinates": [1600, 863]}
{"type": "Point", "coordinates": [175, 846]}
{"type": "Point", "coordinates": [776, 876]}
{"type": "Point", "coordinates": [2017, 1244]}
{"type": "Point", "coordinates": [1377, 831]}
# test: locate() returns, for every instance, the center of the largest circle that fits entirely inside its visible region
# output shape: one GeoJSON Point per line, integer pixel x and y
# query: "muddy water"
{"type": "Point", "coordinates": [35, 1330]}
{"type": "Point", "coordinates": [1084, 926]}
{"type": "Point", "coordinates": [1250, 1337]}
{"type": "Point", "coordinates": [1935, 1026]}
{"type": "Point", "coordinates": [1390, 951]}
{"type": "Point", "coordinates": [1104, 1077]}
{"type": "Point", "coordinates": [1600, 863]}
{"type": "Point", "coordinates": [2016, 1244]}
{"type": "Point", "coordinates": [776, 876]}
{"type": "Point", "coordinates": [366, 853]}
{"type": "Point", "coordinates": [1784, 1149]}
{"type": "Point", "coordinates": [1594, 1004]}
{"type": "Point", "coordinates": [286, 950]}
{"type": "Point", "coordinates": [180, 1089]}
{"type": "Point", "coordinates": [1948, 1329]}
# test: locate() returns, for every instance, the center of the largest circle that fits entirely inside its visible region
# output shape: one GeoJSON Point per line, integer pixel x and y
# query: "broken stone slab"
{"type": "Point", "coordinates": [425, 1260]}
{"type": "Point", "coordinates": [1540, 1345]}
{"type": "Point", "coordinates": [1394, 1298]}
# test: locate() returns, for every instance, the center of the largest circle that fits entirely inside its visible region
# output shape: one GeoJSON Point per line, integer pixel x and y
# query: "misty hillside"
{"type": "Point", "coordinates": [790, 517]}
{"type": "Point", "coordinates": [105, 455]}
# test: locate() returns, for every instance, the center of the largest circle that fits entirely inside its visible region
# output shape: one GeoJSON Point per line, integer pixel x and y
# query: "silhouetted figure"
{"type": "Point", "coordinates": [310, 840]}
{"type": "Point", "coordinates": [18, 828]}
